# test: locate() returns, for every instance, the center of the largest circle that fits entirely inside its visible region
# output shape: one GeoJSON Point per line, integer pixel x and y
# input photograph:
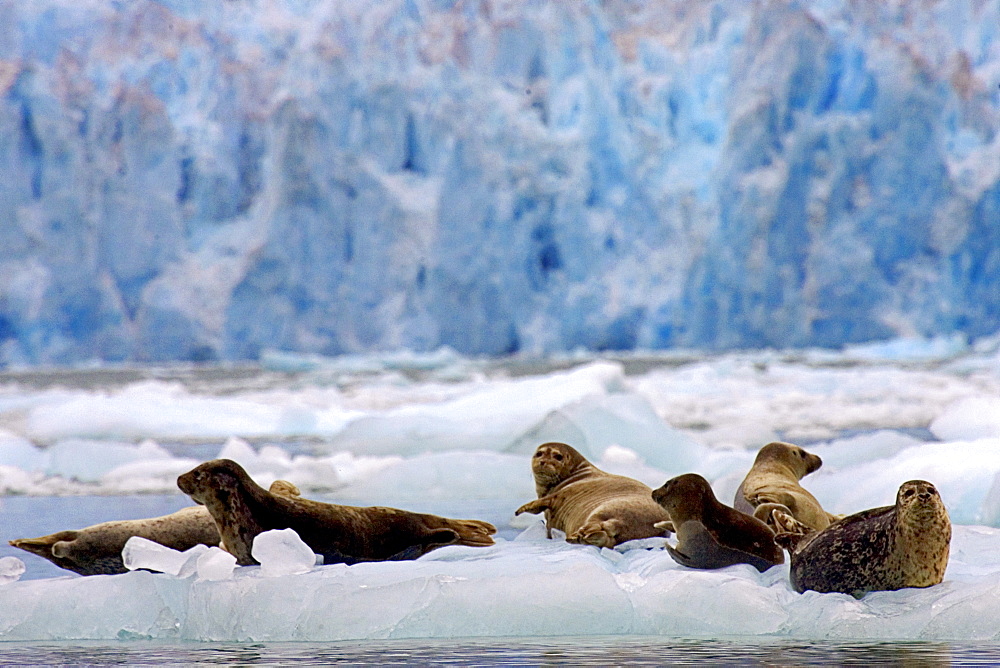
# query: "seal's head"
{"type": "Point", "coordinates": [802, 463]}
{"type": "Point", "coordinates": [554, 463]}
{"type": "Point", "coordinates": [219, 477]}
{"type": "Point", "coordinates": [684, 497]}
{"type": "Point", "coordinates": [917, 501]}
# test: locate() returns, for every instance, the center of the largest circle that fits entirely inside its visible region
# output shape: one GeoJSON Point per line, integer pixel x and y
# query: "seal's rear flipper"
{"type": "Point", "coordinates": [794, 541]}
{"type": "Point", "coordinates": [42, 546]}
{"type": "Point", "coordinates": [284, 488]}
{"type": "Point", "coordinates": [698, 548]}
{"type": "Point", "coordinates": [474, 533]}
{"type": "Point", "coordinates": [681, 558]}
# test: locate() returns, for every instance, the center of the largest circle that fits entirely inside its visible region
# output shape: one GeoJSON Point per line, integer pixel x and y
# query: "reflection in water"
{"type": "Point", "coordinates": [603, 651]}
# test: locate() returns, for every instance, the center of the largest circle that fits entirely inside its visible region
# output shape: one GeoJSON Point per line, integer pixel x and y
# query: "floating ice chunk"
{"type": "Point", "coordinates": [595, 423]}
{"type": "Point", "coordinates": [151, 409]}
{"type": "Point", "coordinates": [282, 552]}
{"type": "Point", "coordinates": [656, 542]}
{"type": "Point", "coordinates": [215, 564]}
{"type": "Point", "coordinates": [469, 475]}
{"type": "Point", "coordinates": [476, 417]}
{"type": "Point", "coordinates": [969, 419]}
{"type": "Point", "coordinates": [622, 461]}
{"type": "Point", "coordinates": [191, 557]}
{"type": "Point", "coordinates": [963, 473]}
{"type": "Point", "coordinates": [88, 460]}
{"type": "Point", "coordinates": [239, 451]}
{"type": "Point", "coordinates": [845, 452]}
{"type": "Point", "coordinates": [19, 452]}
{"type": "Point", "coordinates": [155, 475]}
{"type": "Point", "coordinates": [528, 588]}
{"type": "Point", "coordinates": [11, 570]}
{"type": "Point", "coordinates": [143, 553]}
{"type": "Point", "coordinates": [265, 466]}
{"type": "Point", "coordinates": [907, 349]}
{"type": "Point", "coordinates": [279, 360]}
{"type": "Point", "coordinates": [533, 527]}
{"type": "Point", "coordinates": [18, 481]}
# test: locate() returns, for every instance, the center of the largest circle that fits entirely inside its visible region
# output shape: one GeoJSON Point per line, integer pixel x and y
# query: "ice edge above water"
{"type": "Point", "coordinates": [530, 586]}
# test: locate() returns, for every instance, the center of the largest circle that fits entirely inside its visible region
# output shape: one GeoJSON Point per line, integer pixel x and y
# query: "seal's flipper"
{"type": "Point", "coordinates": [474, 533]}
{"type": "Point", "coordinates": [534, 507]}
{"type": "Point", "coordinates": [783, 522]}
{"type": "Point", "coordinates": [680, 557]}
{"type": "Point", "coordinates": [42, 546]}
{"type": "Point", "coordinates": [698, 548]}
{"type": "Point", "coordinates": [284, 488]}
{"type": "Point", "coordinates": [667, 527]}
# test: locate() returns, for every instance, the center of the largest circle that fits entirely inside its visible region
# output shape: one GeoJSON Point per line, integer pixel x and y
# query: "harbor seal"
{"type": "Point", "coordinates": [589, 505]}
{"type": "Point", "coordinates": [341, 534]}
{"type": "Point", "coordinates": [773, 484]}
{"type": "Point", "coordinates": [881, 549]}
{"type": "Point", "coordinates": [710, 534]}
{"type": "Point", "coordinates": [97, 549]}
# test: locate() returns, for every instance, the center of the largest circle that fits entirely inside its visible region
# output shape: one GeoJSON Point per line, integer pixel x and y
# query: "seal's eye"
{"type": "Point", "coordinates": [558, 457]}
{"type": "Point", "coordinates": [908, 493]}
{"type": "Point", "coordinates": [538, 454]}
{"type": "Point", "coordinates": [802, 454]}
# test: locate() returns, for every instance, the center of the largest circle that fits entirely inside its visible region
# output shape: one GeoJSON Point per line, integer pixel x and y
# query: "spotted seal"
{"type": "Point", "coordinates": [881, 549]}
{"type": "Point", "coordinates": [773, 484]}
{"type": "Point", "coordinates": [587, 504]}
{"type": "Point", "coordinates": [341, 534]}
{"type": "Point", "coordinates": [97, 549]}
{"type": "Point", "coordinates": [710, 534]}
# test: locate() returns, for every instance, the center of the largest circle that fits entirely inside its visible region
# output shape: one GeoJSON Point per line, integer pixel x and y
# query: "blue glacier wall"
{"type": "Point", "coordinates": [192, 181]}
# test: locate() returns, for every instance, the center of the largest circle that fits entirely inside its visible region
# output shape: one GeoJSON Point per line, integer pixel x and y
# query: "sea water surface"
{"type": "Point", "coordinates": [84, 446]}
{"type": "Point", "coordinates": [575, 651]}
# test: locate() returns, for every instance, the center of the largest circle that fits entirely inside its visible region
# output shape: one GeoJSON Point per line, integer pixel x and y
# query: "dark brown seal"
{"type": "Point", "coordinates": [341, 534]}
{"type": "Point", "coordinates": [710, 534]}
{"type": "Point", "coordinates": [97, 549]}
{"type": "Point", "coordinates": [882, 549]}
{"type": "Point", "coordinates": [773, 484]}
{"type": "Point", "coordinates": [587, 504]}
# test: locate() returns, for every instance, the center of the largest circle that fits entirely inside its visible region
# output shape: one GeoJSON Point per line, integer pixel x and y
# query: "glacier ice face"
{"type": "Point", "coordinates": [186, 182]}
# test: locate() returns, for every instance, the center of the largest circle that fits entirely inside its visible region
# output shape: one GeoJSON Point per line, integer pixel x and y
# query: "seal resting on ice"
{"type": "Point", "coordinates": [589, 505]}
{"type": "Point", "coordinates": [341, 534]}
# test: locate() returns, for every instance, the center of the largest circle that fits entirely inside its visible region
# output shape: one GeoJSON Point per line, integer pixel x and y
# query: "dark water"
{"type": "Point", "coordinates": [602, 651]}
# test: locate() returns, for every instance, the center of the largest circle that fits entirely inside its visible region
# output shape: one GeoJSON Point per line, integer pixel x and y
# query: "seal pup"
{"type": "Point", "coordinates": [773, 484]}
{"type": "Point", "coordinates": [589, 505]}
{"type": "Point", "coordinates": [341, 534]}
{"type": "Point", "coordinates": [710, 534]}
{"type": "Point", "coordinates": [881, 549]}
{"type": "Point", "coordinates": [97, 549]}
